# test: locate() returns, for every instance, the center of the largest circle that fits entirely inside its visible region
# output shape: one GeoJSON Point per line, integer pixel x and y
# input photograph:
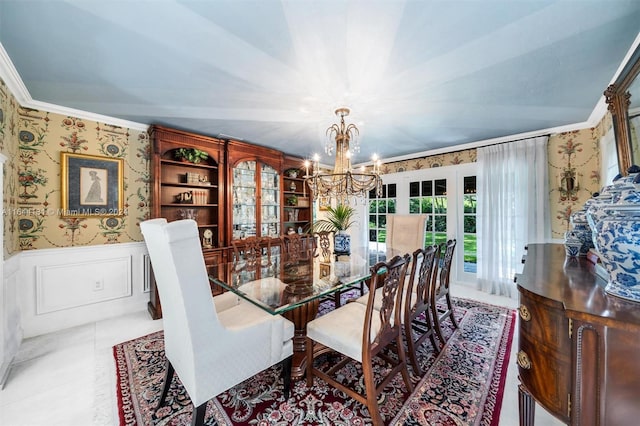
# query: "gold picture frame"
{"type": "Point", "coordinates": [324, 203]}
{"type": "Point", "coordinates": [91, 186]}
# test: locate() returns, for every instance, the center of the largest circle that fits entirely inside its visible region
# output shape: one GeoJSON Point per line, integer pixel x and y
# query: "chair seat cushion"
{"type": "Point", "coordinates": [341, 329]}
{"type": "Point", "coordinates": [225, 301]}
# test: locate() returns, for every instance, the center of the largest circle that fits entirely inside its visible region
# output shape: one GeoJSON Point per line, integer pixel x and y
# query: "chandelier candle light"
{"type": "Point", "coordinates": [343, 183]}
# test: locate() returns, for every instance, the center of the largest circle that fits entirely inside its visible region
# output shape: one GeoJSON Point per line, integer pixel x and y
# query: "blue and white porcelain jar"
{"type": "Point", "coordinates": [618, 242]}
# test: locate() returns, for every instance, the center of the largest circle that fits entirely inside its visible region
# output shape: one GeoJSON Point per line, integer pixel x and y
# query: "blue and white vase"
{"type": "Point", "coordinates": [572, 244]}
{"type": "Point", "coordinates": [618, 241]}
{"type": "Point", "coordinates": [341, 243]}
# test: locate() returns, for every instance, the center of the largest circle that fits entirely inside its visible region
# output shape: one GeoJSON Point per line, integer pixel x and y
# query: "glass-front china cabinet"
{"type": "Point", "coordinates": [256, 200]}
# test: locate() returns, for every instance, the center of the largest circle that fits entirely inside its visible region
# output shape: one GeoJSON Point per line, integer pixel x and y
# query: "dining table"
{"type": "Point", "coordinates": [293, 285]}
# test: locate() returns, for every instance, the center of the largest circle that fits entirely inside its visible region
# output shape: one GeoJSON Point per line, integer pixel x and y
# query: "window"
{"type": "Point", "coordinates": [430, 197]}
{"type": "Point", "coordinates": [469, 200]}
{"type": "Point", "coordinates": [378, 209]}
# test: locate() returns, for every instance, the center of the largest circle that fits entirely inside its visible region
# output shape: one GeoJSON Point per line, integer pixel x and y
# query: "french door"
{"type": "Point", "coordinates": [447, 195]}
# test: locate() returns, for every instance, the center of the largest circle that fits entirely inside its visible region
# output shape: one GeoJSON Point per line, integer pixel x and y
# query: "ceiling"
{"type": "Point", "coordinates": [418, 75]}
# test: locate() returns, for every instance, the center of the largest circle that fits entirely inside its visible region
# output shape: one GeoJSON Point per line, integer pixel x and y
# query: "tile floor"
{"type": "Point", "coordinates": [68, 378]}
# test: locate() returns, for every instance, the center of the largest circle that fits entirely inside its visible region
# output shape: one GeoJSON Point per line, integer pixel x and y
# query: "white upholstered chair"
{"type": "Point", "coordinates": [211, 350]}
{"type": "Point", "coordinates": [405, 233]}
{"type": "Point", "coordinates": [361, 333]}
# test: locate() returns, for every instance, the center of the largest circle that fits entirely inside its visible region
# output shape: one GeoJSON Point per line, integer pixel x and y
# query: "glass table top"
{"type": "Point", "coordinates": [281, 283]}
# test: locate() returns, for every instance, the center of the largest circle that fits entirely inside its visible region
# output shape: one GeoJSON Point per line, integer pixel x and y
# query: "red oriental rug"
{"type": "Point", "coordinates": [463, 385]}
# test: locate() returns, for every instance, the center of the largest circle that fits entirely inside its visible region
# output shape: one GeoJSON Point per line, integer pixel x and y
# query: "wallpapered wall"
{"type": "Point", "coordinates": [32, 141]}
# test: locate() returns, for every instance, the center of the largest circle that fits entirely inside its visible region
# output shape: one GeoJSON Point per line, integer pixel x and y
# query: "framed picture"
{"type": "Point", "coordinates": [91, 185]}
{"type": "Point", "coordinates": [324, 203]}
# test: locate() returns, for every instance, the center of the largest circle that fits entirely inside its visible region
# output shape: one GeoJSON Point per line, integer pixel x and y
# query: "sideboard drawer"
{"type": "Point", "coordinates": [544, 324]}
{"type": "Point", "coordinates": [546, 375]}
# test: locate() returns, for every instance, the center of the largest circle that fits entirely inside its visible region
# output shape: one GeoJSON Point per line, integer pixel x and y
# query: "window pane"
{"type": "Point", "coordinates": [382, 236]}
{"type": "Point", "coordinates": [372, 194]}
{"type": "Point", "coordinates": [441, 237]}
{"type": "Point", "coordinates": [391, 190]}
{"type": "Point", "coordinates": [430, 223]}
{"type": "Point", "coordinates": [441, 187]}
{"type": "Point", "coordinates": [373, 221]}
{"type": "Point", "coordinates": [414, 205]}
{"type": "Point", "coordinates": [373, 234]}
{"type": "Point", "coordinates": [382, 206]}
{"type": "Point", "coordinates": [382, 221]}
{"type": "Point", "coordinates": [427, 205]}
{"type": "Point", "coordinates": [440, 223]}
{"type": "Point", "coordinates": [428, 238]}
{"type": "Point", "coordinates": [414, 189]}
{"type": "Point", "coordinates": [427, 188]}
{"type": "Point", "coordinates": [469, 184]}
{"type": "Point", "coordinates": [373, 206]}
{"type": "Point", "coordinates": [391, 206]}
{"type": "Point", "coordinates": [470, 203]}
{"type": "Point", "coordinates": [470, 224]}
{"type": "Point", "coordinates": [440, 205]}
{"type": "Point", "coordinates": [384, 191]}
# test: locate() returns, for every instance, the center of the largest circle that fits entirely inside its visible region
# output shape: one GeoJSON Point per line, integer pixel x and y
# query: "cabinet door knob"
{"type": "Point", "coordinates": [524, 313]}
{"type": "Point", "coordinates": [523, 360]}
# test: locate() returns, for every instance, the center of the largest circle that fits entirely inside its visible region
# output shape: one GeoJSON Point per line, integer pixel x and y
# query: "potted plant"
{"type": "Point", "coordinates": [192, 155]}
{"type": "Point", "coordinates": [338, 219]}
{"type": "Point", "coordinates": [292, 200]}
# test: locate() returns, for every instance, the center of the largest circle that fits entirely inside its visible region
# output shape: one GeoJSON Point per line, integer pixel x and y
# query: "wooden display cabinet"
{"type": "Point", "coordinates": [297, 207]}
{"type": "Point", "coordinates": [183, 190]}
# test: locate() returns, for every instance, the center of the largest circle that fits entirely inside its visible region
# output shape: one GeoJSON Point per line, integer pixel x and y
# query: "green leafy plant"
{"type": "Point", "coordinates": [292, 200]}
{"type": "Point", "coordinates": [339, 218]}
{"type": "Point", "coordinates": [191, 155]}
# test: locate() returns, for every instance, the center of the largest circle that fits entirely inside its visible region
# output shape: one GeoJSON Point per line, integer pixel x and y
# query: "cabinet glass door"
{"type": "Point", "coordinates": [256, 200]}
{"type": "Point", "coordinates": [270, 200]}
{"type": "Point", "coordinates": [244, 199]}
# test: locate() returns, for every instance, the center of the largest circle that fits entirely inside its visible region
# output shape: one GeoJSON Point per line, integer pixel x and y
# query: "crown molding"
{"type": "Point", "coordinates": [14, 83]}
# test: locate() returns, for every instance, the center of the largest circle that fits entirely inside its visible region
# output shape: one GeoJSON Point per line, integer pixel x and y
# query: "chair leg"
{"type": "Point", "coordinates": [197, 419]}
{"type": "Point", "coordinates": [286, 375]}
{"type": "Point", "coordinates": [168, 376]}
{"type": "Point", "coordinates": [336, 299]}
{"type": "Point", "coordinates": [411, 347]}
{"type": "Point", "coordinates": [309, 362]}
{"type": "Point", "coordinates": [372, 396]}
{"type": "Point", "coordinates": [436, 324]}
{"type": "Point", "coordinates": [450, 306]}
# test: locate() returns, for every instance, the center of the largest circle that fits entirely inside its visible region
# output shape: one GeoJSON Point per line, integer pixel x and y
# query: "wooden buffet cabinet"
{"type": "Point", "coordinates": [579, 347]}
{"type": "Point", "coordinates": [214, 188]}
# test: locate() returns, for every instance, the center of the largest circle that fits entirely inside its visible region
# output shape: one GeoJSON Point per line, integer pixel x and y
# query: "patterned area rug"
{"type": "Point", "coordinates": [462, 386]}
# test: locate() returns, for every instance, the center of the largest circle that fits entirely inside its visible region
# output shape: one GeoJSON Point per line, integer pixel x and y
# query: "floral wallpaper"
{"type": "Point", "coordinates": [33, 141]}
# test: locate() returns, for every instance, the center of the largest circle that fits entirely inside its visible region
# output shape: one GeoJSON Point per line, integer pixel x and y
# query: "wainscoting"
{"type": "Point", "coordinates": [48, 290]}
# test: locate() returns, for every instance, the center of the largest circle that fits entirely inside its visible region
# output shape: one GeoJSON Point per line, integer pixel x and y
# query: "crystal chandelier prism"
{"type": "Point", "coordinates": [343, 183]}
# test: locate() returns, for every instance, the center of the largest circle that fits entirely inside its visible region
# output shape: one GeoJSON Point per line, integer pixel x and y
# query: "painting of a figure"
{"type": "Point", "coordinates": [93, 186]}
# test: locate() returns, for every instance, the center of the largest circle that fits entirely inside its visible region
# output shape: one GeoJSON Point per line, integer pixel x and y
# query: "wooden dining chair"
{"type": "Point", "coordinates": [362, 333]}
{"type": "Point", "coordinates": [417, 304]}
{"type": "Point", "coordinates": [440, 290]}
{"type": "Point", "coordinates": [298, 247]}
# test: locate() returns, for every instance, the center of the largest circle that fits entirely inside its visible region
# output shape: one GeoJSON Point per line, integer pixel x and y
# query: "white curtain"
{"type": "Point", "coordinates": [513, 209]}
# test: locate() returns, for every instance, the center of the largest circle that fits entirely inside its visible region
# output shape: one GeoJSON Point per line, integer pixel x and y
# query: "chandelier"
{"type": "Point", "coordinates": [343, 183]}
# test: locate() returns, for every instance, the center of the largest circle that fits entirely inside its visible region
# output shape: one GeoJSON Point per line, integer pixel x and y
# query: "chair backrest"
{"type": "Point", "coordinates": [446, 250]}
{"type": "Point", "coordinates": [423, 265]}
{"type": "Point", "coordinates": [389, 278]}
{"type": "Point", "coordinates": [298, 247]}
{"type": "Point", "coordinates": [324, 244]}
{"type": "Point", "coordinates": [249, 250]}
{"type": "Point", "coordinates": [189, 314]}
{"type": "Point", "coordinates": [405, 232]}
